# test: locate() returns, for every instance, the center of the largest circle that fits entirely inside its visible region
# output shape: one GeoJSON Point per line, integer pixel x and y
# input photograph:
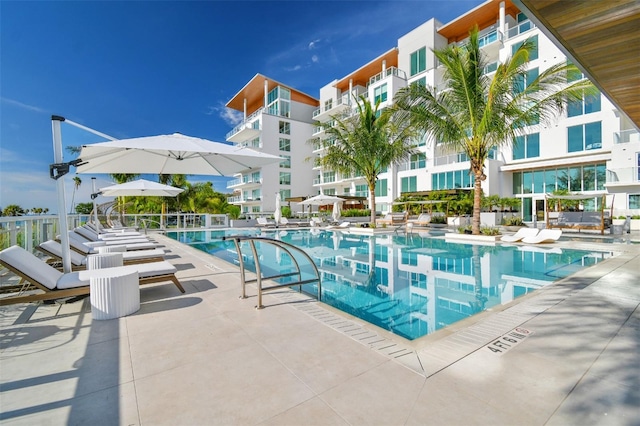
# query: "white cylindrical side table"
{"type": "Point", "coordinates": [112, 249]}
{"type": "Point", "coordinates": [104, 260]}
{"type": "Point", "coordinates": [114, 293]}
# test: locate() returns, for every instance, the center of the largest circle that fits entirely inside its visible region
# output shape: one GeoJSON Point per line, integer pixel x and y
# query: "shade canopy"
{"type": "Point", "coordinates": [170, 154]}
{"type": "Point", "coordinates": [140, 187]}
{"type": "Point", "coordinates": [321, 200]}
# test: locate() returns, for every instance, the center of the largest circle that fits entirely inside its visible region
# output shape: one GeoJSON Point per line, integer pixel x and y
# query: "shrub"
{"type": "Point", "coordinates": [464, 229]}
{"type": "Point", "coordinates": [355, 213]}
{"type": "Point", "coordinates": [488, 230]}
{"type": "Point", "coordinates": [438, 219]}
{"type": "Point", "coordinates": [513, 221]}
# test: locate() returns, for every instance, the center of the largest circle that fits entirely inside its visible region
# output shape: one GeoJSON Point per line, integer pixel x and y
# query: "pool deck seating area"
{"type": "Point", "coordinates": [565, 354]}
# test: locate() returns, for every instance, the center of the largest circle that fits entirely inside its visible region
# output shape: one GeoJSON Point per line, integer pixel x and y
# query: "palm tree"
{"type": "Point", "coordinates": [76, 185]}
{"type": "Point", "coordinates": [365, 144]}
{"type": "Point", "coordinates": [475, 113]}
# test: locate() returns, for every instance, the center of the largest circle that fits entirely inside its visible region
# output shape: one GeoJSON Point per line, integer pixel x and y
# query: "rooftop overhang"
{"type": "Point", "coordinates": [253, 92]}
{"type": "Point", "coordinates": [484, 15]}
{"type": "Point", "coordinates": [602, 38]}
{"type": "Point", "coordinates": [360, 77]}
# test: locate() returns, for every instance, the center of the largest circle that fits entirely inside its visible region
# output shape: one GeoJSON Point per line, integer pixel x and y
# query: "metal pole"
{"type": "Point", "coordinates": [62, 215]}
{"type": "Point", "coordinates": [95, 205]}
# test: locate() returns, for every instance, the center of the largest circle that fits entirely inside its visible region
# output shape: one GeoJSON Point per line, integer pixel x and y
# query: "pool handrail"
{"type": "Point", "coordinates": [259, 278]}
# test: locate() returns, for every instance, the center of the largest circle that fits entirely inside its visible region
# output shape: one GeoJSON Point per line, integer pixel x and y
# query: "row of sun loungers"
{"type": "Point", "coordinates": [52, 284]}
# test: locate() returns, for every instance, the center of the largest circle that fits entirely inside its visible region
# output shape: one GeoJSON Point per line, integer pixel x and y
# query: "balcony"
{"type": "Point", "coordinates": [248, 129]}
{"type": "Point", "coordinates": [235, 183]}
{"type": "Point", "coordinates": [521, 28]}
{"type": "Point", "coordinates": [333, 108]}
{"type": "Point", "coordinates": [625, 179]}
{"type": "Point", "coordinates": [626, 136]}
{"type": "Point", "coordinates": [392, 71]}
{"type": "Point", "coordinates": [450, 159]}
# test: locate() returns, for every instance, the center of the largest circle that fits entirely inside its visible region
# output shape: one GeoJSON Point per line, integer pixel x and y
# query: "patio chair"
{"type": "Point", "coordinates": [53, 249]}
{"type": "Point", "coordinates": [263, 222]}
{"type": "Point", "coordinates": [54, 284]}
{"type": "Point", "coordinates": [518, 236]}
{"type": "Point", "coordinates": [544, 236]}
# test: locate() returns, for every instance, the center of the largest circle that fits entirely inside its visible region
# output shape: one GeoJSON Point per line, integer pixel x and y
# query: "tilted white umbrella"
{"type": "Point", "coordinates": [140, 187]}
{"type": "Point", "coordinates": [170, 154]}
{"type": "Point", "coordinates": [321, 200]}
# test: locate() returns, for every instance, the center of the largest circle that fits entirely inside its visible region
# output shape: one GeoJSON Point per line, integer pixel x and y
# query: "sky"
{"type": "Point", "coordinates": [143, 68]}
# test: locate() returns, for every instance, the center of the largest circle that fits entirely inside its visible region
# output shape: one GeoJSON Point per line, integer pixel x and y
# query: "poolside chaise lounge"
{"type": "Point", "coordinates": [518, 236]}
{"type": "Point", "coordinates": [53, 249]}
{"type": "Point", "coordinates": [263, 222]}
{"type": "Point", "coordinates": [423, 219]}
{"type": "Point", "coordinates": [92, 235]}
{"type": "Point", "coordinates": [54, 284]}
{"type": "Point", "coordinates": [83, 246]}
{"type": "Point", "coordinates": [119, 232]}
{"type": "Point", "coordinates": [92, 240]}
{"type": "Point", "coordinates": [394, 218]}
{"type": "Point", "coordinates": [342, 225]}
{"type": "Point", "coordinates": [544, 236]}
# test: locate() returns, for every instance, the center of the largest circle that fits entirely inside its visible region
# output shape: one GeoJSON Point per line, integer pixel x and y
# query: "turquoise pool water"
{"type": "Point", "coordinates": [410, 285]}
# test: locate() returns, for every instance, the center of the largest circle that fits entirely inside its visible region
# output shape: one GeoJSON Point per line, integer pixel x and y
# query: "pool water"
{"type": "Point", "coordinates": [410, 285]}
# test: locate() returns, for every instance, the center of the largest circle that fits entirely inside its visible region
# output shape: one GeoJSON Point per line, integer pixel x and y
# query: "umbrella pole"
{"type": "Point", "coordinates": [94, 195]}
{"type": "Point", "coordinates": [62, 216]}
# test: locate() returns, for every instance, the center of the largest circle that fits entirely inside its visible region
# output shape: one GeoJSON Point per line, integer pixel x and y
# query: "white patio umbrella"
{"type": "Point", "coordinates": [140, 187]}
{"type": "Point", "coordinates": [336, 211]}
{"type": "Point", "coordinates": [170, 154]}
{"type": "Point", "coordinates": [321, 200]}
{"type": "Point", "coordinates": [277, 215]}
{"type": "Point", "coordinates": [164, 154]}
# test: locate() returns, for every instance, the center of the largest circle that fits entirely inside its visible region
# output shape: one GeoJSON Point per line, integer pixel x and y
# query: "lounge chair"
{"type": "Point", "coordinates": [91, 237]}
{"type": "Point", "coordinates": [53, 249]}
{"type": "Point", "coordinates": [544, 236]}
{"type": "Point", "coordinates": [422, 220]}
{"type": "Point", "coordinates": [82, 246]}
{"type": "Point", "coordinates": [342, 225]}
{"type": "Point", "coordinates": [55, 285]}
{"type": "Point", "coordinates": [518, 236]}
{"type": "Point", "coordinates": [119, 232]}
{"type": "Point", "coordinates": [263, 222]}
{"type": "Point", "coordinates": [285, 222]}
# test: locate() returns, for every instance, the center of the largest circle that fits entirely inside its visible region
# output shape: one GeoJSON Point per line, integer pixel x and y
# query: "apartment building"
{"type": "Point", "coordinates": [592, 148]}
{"type": "Point", "coordinates": [276, 119]}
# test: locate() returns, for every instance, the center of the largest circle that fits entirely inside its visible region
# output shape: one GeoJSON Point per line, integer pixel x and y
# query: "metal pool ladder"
{"type": "Point", "coordinates": [287, 248]}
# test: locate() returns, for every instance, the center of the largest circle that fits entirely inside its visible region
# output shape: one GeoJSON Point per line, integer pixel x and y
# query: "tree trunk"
{"type": "Point", "coordinates": [372, 197]}
{"type": "Point", "coordinates": [477, 203]}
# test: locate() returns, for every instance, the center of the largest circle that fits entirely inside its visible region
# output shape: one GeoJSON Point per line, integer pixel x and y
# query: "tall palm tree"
{"type": "Point", "coordinates": [76, 185]}
{"type": "Point", "coordinates": [365, 144]}
{"type": "Point", "coordinates": [475, 113]}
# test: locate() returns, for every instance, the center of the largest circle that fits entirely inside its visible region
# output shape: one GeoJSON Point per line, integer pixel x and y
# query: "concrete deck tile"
{"type": "Point", "coordinates": [311, 413]}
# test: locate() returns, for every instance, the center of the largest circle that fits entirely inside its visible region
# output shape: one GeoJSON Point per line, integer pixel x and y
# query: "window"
{"type": "Point", "coordinates": [255, 209]}
{"type": "Point", "coordinates": [527, 146]}
{"type": "Point", "coordinates": [418, 61]}
{"type": "Point", "coordinates": [418, 161]}
{"type": "Point", "coordinates": [523, 81]}
{"type": "Point", "coordinates": [255, 177]}
{"type": "Point", "coordinates": [285, 144]}
{"type": "Point", "coordinates": [285, 178]}
{"type": "Point", "coordinates": [584, 137]}
{"type": "Point", "coordinates": [408, 184]}
{"type": "Point", "coordinates": [452, 180]}
{"type": "Point", "coordinates": [256, 194]}
{"type": "Point", "coordinates": [328, 177]}
{"type": "Point", "coordinates": [286, 164]}
{"type": "Point", "coordinates": [284, 194]}
{"type": "Point", "coordinates": [534, 52]}
{"type": "Point", "coordinates": [284, 127]}
{"type": "Point", "coordinates": [589, 177]}
{"type": "Point", "coordinates": [380, 93]}
{"type": "Point", "coordinates": [328, 104]}
{"type": "Point", "coordinates": [586, 105]}
{"type": "Point", "coordinates": [362, 191]}
{"type": "Point", "coordinates": [381, 188]}
{"type": "Point", "coordinates": [634, 201]}
{"type": "Point", "coordinates": [422, 81]}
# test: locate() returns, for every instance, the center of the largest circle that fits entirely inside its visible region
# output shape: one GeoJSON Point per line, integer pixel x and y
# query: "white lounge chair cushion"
{"type": "Point", "coordinates": [22, 260]}
{"type": "Point", "coordinates": [55, 248]}
{"type": "Point", "coordinates": [145, 270]}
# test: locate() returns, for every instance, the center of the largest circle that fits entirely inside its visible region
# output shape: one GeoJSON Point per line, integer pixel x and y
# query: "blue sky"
{"type": "Point", "coordinates": [131, 69]}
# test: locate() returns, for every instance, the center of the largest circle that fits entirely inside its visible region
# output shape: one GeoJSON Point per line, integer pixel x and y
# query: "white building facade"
{"type": "Point", "coordinates": [591, 148]}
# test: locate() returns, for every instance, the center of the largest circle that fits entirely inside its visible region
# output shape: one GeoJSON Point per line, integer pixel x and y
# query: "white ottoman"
{"type": "Point", "coordinates": [115, 292]}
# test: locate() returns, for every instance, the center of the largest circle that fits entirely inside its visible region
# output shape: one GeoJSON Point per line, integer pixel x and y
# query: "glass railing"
{"type": "Point", "coordinates": [392, 71]}
{"type": "Point", "coordinates": [489, 38]}
{"type": "Point", "coordinates": [626, 136]}
{"type": "Point", "coordinates": [254, 125]}
{"type": "Point", "coordinates": [450, 159]}
{"type": "Point", "coordinates": [623, 175]}
{"type": "Point", "coordinates": [490, 68]}
{"type": "Point", "coordinates": [520, 28]}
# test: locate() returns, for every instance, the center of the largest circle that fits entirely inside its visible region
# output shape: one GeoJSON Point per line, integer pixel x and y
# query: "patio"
{"type": "Point", "coordinates": [208, 357]}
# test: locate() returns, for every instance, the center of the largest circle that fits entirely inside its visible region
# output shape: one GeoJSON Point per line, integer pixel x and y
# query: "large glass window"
{"type": "Point", "coordinates": [534, 52]}
{"type": "Point", "coordinates": [634, 201]}
{"type": "Point", "coordinates": [380, 93]}
{"type": "Point", "coordinates": [523, 81]}
{"type": "Point", "coordinates": [550, 180]}
{"type": "Point", "coordinates": [284, 127]}
{"type": "Point", "coordinates": [584, 137]}
{"type": "Point", "coordinates": [286, 164]}
{"type": "Point", "coordinates": [452, 180]}
{"type": "Point", "coordinates": [362, 191]}
{"type": "Point", "coordinates": [589, 177]}
{"type": "Point", "coordinates": [284, 194]}
{"type": "Point", "coordinates": [381, 188]}
{"type": "Point", "coordinates": [418, 61]}
{"type": "Point", "coordinates": [586, 105]}
{"type": "Point", "coordinates": [526, 146]}
{"type": "Point", "coordinates": [408, 184]}
{"type": "Point", "coordinates": [285, 144]}
{"type": "Point", "coordinates": [285, 178]}
{"type": "Point", "coordinates": [418, 161]}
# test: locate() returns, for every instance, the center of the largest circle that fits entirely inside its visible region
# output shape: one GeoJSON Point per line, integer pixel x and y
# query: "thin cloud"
{"type": "Point", "coordinates": [314, 44]}
{"type": "Point", "coordinates": [23, 105]}
{"type": "Point", "coordinates": [315, 59]}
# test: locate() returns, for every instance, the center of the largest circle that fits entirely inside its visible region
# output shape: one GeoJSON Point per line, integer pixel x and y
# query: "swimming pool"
{"type": "Point", "coordinates": [410, 285]}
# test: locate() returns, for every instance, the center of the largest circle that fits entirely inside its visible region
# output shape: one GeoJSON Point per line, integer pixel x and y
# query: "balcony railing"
{"type": "Point", "coordinates": [450, 159]}
{"type": "Point", "coordinates": [520, 28]}
{"type": "Point", "coordinates": [623, 175]}
{"type": "Point", "coordinates": [254, 125]}
{"type": "Point", "coordinates": [386, 73]}
{"type": "Point", "coordinates": [626, 136]}
{"type": "Point", "coordinates": [342, 100]}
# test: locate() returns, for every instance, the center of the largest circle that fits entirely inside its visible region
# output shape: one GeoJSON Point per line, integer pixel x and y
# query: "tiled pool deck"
{"type": "Point", "coordinates": [208, 357]}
